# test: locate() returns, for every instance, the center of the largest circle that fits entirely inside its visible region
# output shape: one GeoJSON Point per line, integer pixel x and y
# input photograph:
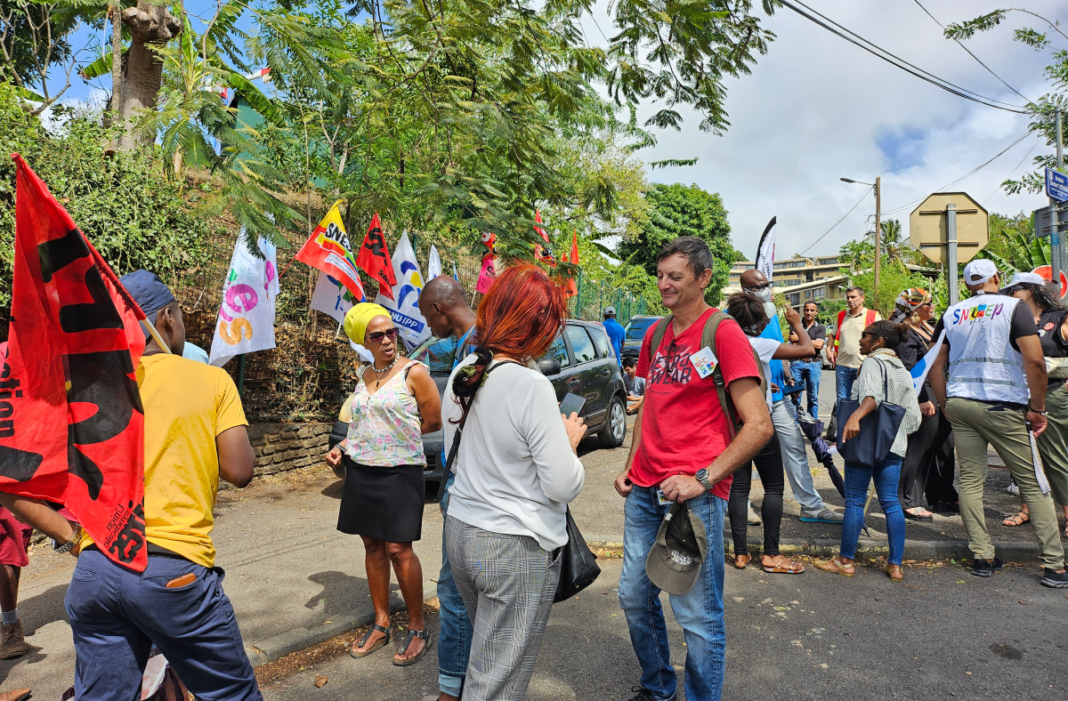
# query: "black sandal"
{"type": "Point", "coordinates": [381, 642]}
{"type": "Point", "coordinates": [403, 648]}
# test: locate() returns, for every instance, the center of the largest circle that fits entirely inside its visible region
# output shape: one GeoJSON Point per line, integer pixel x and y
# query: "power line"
{"type": "Point", "coordinates": [1013, 171]}
{"type": "Point", "coordinates": [969, 174]}
{"type": "Point", "coordinates": [862, 198]}
{"type": "Point", "coordinates": [898, 62]}
{"type": "Point", "coordinates": [959, 43]}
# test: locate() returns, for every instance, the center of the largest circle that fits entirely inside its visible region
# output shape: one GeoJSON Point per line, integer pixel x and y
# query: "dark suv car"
{"type": "Point", "coordinates": [580, 361]}
{"type": "Point", "coordinates": [636, 328]}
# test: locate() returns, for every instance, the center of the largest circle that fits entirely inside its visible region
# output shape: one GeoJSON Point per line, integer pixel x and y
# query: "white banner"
{"type": "Point", "coordinates": [433, 265]}
{"type": "Point", "coordinates": [919, 370]}
{"type": "Point", "coordinates": [331, 297]}
{"type": "Point", "coordinates": [765, 260]}
{"type": "Point", "coordinates": [403, 307]}
{"type": "Point", "coordinates": [246, 315]}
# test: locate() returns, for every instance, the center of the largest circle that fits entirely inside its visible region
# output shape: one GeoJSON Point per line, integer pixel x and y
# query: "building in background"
{"type": "Point", "coordinates": [800, 279]}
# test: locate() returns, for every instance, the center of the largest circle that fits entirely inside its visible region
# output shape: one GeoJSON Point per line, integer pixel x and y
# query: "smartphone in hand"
{"type": "Point", "coordinates": [572, 403]}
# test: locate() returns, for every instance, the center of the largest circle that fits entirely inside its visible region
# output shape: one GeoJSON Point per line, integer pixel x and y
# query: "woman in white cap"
{"type": "Point", "coordinates": [395, 403]}
{"type": "Point", "coordinates": [1051, 318]}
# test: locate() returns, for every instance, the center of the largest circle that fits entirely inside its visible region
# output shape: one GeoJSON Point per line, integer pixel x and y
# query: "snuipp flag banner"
{"type": "Point", "coordinates": [403, 305]}
{"type": "Point", "coordinates": [71, 420]}
{"type": "Point", "coordinates": [246, 314]}
{"type": "Point", "coordinates": [328, 249]}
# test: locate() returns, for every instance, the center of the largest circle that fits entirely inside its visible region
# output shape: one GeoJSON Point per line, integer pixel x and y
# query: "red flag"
{"type": "Point", "coordinates": [374, 258]}
{"type": "Point", "coordinates": [73, 425]}
{"type": "Point", "coordinates": [542, 253]}
{"type": "Point", "coordinates": [569, 286]}
{"type": "Point", "coordinates": [328, 249]}
{"type": "Point", "coordinates": [488, 273]}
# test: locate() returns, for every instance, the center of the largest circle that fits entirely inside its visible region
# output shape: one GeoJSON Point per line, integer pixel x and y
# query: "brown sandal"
{"type": "Point", "coordinates": [895, 572]}
{"type": "Point", "coordinates": [1018, 520]}
{"type": "Point", "coordinates": [748, 559]}
{"type": "Point", "coordinates": [835, 567]}
{"type": "Point", "coordinates": [784, 567]}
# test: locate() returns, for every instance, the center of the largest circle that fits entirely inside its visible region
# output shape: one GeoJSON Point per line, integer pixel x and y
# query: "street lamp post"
{"type": "Point", "coordinates": [878, 213]}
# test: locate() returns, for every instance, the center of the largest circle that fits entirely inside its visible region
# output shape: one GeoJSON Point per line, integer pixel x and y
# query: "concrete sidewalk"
{"type": "Point", "coordinates": [295, 581]}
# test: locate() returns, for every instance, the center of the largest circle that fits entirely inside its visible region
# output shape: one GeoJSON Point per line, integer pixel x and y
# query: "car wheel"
{"type": "Point", "coordinates": [615, 430]}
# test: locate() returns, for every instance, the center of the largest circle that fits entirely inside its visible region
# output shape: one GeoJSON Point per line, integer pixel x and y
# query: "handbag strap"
{"type": "Point", "coordinates": [460, 428]}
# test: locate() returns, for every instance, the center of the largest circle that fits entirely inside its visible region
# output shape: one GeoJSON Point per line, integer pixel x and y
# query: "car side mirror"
{"type": "Point", "coordinates": [549, 366]}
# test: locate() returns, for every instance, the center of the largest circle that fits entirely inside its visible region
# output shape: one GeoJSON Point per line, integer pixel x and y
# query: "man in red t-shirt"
{"type": "Point", "coordinates": [682, 449]}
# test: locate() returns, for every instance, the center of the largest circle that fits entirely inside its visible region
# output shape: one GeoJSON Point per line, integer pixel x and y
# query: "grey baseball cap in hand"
{"type": "Point", "coordinates": [675, 560]}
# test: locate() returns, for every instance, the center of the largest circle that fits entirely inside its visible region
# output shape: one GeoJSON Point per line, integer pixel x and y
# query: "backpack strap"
{"type": "Point", "coordinates": [708, 338]}
{"type": "Point", "coordinates": [659, 330]}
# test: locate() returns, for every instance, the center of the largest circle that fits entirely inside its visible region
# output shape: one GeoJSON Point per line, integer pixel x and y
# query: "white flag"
{"type": "Point", "coordinates": [433, 266]}
{"type": "Point", "coordinates": [404, 305]}
{"type": "Point", "coordinates": [919, 370]}
{"type": "Point", "coordinates": [765, 260]}
{"type": "Point", "coordinates": [246, 315]}
{"type": "Point", "coordinates": [331, 297]}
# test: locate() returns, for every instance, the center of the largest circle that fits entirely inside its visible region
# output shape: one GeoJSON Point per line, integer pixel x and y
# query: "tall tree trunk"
{"type": "Point", "coordinates": [116, 60]}
{"type": "Point", "coordinates": [142, 75]}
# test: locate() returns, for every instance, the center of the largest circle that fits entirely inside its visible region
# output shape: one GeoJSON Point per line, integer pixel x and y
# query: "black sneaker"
{"type": "Point", "coordinates": [645, 695]}
{"type": "Point", "coordinates": [982, 568]}
{"type": "Point", "coordinates": [1054, 579]}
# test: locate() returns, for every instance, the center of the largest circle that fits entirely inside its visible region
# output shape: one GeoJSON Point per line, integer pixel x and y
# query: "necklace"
{"type": "Point", "coordinates": [384, 370]}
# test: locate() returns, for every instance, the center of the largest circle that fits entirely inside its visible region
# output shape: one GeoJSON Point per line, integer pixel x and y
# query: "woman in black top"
{"type": "Point", "coordinates": [913, 308]}
{"type": "Point", "coordinates": [1051, 318]}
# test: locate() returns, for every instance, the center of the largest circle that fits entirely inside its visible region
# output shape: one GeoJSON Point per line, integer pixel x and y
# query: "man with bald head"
{"type": "Point", "coordinates": [784, 415]}
{"type": "Point", "coordinates": [444, 306]}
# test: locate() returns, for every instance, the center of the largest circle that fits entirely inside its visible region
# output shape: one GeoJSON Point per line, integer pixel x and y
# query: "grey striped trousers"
{"type": "Point", "coordinates": [507, 583]}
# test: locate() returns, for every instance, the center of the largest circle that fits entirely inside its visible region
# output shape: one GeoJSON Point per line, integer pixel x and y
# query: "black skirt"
{"type": "Point", "coordinates": [385, 503]}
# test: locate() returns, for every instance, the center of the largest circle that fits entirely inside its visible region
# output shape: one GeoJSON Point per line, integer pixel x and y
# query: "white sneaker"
{"type": "Point", "coordinates": [1013, 489]}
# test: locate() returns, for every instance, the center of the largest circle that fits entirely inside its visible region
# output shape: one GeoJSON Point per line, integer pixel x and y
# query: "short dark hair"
{"type": "Point", "coordinates": [693, 249]}
{"type": "Point", "coordinates": [814, 304]}
{"type": "Point", "coordinates": [893, 334]}
{"type": "Point", "coordinates": [748, 310]}
{"type": "Point", "coordinates": [855, 288]}
{"type": "Point", "coordinates": [628, 361]}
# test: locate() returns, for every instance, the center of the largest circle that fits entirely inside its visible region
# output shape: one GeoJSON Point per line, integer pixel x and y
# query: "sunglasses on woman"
{"type": "Point", "coordinates": [377, 336]}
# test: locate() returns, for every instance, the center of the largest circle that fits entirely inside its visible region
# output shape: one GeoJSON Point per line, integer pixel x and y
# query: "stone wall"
{"type": "Point", "coordinates": [281, 447]}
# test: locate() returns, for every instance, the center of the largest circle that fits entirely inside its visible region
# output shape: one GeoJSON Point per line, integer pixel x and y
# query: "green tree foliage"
{"type": "Point", "coordinates": [134, 216]}
{"type": "Point", "coordinates": [681, 210]}
{"type": "Point", "coordinates": [1042, 111]}
{"type": "Point", "coordinates": [1013, 245]}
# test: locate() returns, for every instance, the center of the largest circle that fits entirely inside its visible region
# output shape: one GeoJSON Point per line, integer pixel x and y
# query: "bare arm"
{"type": "Point", "coordinates": [622, 481]}
{"type": "Point", "coordinates": [1035, 369]}
{"type": "Point", "coordinates": [795, 351]}
{"type": "Point", "coordinates": [237, 460]}
{"type": "Point", "coordinates": [426, 396]}
{"type": "Point", "coordinates": [937, 376]}
{"type": "Point", "coordinates": [36, 513]}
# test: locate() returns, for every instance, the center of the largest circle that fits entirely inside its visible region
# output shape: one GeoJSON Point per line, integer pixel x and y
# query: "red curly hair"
{"type": "Point", "coordinates": [521, 314]}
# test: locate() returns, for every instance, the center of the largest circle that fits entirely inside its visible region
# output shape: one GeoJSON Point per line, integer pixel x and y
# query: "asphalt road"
{"type": "Point", "coordinates": [944, 634]}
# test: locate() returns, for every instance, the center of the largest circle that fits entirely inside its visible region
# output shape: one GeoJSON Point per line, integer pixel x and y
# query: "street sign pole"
{"type": "Point", "coordinates": [1056, 240]}
{"type": "Point", "coordinates": [951, 252]}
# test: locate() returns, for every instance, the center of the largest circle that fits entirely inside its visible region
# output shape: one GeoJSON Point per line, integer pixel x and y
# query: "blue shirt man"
{"type": "Point", "coordinates": [616, 333]}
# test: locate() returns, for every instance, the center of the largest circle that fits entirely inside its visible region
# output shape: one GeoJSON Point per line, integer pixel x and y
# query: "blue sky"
{"type": "Point", "coordinates": [816, 109]}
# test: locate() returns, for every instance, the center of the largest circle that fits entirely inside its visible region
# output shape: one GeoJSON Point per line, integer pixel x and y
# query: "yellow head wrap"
{"type": "Point", "coordinates": [359, 317]}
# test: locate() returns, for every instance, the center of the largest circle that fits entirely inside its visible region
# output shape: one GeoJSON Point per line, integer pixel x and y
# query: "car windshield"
{"type": "Point", "coordinates": [438, 353]}
{"type": "Point", "coordinates": [637, 327]}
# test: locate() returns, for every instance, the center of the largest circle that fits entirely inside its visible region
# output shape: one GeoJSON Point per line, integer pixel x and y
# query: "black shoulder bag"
{"type": "Point", "coordinates": [877, 430]}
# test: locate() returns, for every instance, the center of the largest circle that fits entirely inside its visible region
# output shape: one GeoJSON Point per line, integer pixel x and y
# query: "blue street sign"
{"type": "Point", "coordinates": [1056, 185]}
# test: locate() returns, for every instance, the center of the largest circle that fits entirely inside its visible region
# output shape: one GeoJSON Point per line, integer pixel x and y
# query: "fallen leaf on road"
{"type": "Point", "coordinates": [1022, 602]}
{"type": "Point", "coordinates": [320, 681]}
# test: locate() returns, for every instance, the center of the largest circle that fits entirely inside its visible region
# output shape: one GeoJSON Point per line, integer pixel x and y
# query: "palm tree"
{"type": "Point", "coordinates": [894, 247]}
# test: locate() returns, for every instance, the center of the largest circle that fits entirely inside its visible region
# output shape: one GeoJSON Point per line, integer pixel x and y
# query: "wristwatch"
{"type": "Point", "coordinates": [1036, 411]}
{"type": "Point", "coordinates": [702, 477]}
{"type": "Point", "coordinates": [75, 538]}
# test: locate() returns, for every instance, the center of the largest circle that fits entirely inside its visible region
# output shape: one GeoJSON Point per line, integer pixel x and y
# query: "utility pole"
{"type": "Point", "coordinates": [878, 236]}
{"type": "Point", "coordinates": [1057, 249]}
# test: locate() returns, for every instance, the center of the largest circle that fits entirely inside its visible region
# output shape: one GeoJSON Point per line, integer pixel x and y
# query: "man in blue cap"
{"type": "Point", "coordinates": [195, 433]}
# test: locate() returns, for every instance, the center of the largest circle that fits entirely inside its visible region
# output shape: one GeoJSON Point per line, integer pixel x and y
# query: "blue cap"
{"type": "Point", "coordinates": [148, 291]}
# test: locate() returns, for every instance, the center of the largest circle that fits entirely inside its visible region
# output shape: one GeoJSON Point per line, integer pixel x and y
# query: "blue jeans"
{"type": "Point", "coordinates": [843, 381]}
{"type": "Point", "coordinates": [116, 615]}
{"type": "Point", "coordinates": [700, 613]}
{"type": "Point", "coordinates": [856, 493]}
{"type": "Point", "coordinates": [807, 373]}
{"type": "Point", "coordinates": [454, 643]}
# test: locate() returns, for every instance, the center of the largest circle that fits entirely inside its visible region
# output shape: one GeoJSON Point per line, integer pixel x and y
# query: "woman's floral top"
{"type": "Point", "coordinates": [386, 428]}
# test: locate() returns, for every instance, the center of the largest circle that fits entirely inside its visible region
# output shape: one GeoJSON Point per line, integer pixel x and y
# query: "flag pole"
{"type": "Point", "coordinates": [155, 335]}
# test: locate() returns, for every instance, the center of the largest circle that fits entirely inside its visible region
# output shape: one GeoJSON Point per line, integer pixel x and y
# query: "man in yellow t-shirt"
{"type": "Point", "coordinates": [194, 433]}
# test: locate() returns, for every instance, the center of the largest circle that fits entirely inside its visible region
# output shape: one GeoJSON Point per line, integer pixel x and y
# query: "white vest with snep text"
{"type": "Point", "coordinates": [983, 365]}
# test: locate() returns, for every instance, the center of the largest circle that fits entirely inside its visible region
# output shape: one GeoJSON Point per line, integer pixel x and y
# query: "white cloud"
{"type": "Point", "coordinates": [817, 108]}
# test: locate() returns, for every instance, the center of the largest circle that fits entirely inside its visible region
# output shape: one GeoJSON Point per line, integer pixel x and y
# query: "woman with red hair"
{"type": "Point", "coordinates": [516, 471]}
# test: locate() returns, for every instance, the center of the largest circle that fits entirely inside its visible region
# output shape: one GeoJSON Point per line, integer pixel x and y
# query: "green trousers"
{"type": "Point", "coordinates": [1051, 444]}
{"type": "Point", "coordinates": [977, 425]}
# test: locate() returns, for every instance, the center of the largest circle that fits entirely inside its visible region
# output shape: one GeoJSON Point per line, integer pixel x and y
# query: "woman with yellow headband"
{"type": "Point", "coordinates": [394, 404]}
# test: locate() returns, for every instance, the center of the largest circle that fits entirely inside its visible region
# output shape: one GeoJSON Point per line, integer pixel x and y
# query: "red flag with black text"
{"type": "Point", "coordinates": [542, 253]}
{"type": "Point", "coordinates": [72, 430]}
{"type": "Point", "coordinates": [374, 258]}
